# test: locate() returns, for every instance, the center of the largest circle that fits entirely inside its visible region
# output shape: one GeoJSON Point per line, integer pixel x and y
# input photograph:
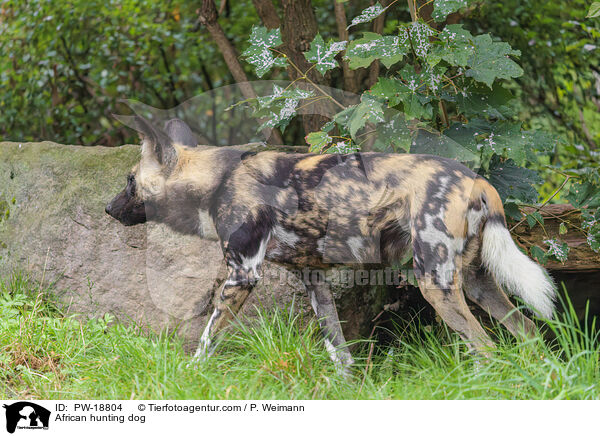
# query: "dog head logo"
{"type": "Point", "coordinates": [26, 415]}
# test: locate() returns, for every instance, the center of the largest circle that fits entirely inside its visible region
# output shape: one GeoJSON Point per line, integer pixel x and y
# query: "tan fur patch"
{"type": "Point", "coordinates": [310, 162]}
{"type": "Point", "coordinates": [493, 199]}
{"type": "Point", "coordinates": [457, 203]}
{"type": "Point", "coordinates": [195, 169]}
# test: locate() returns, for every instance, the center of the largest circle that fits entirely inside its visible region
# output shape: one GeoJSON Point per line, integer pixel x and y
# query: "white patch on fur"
{"type": "Point", "coordinates": [434, 237]}
{"type": "Point", "coordinates": [252, 263]}
{"type": "Point", "coordinates": [474, 218]}
{"type": "Point", "coordinates": [288, 238]}
{"type": "Point", "coordinates": [356, 244]}
{"type": "Point", "coordinates": [443, 184]}
{"type": "Point", "coordinates": [333, 353]}
{"type": "Point", "coordinates": [321, 245]}
{"type": "Point", "coordinates": [520, 275]}
{"type": "Point", "coordinates": [205, 342]}
{"type": "Point", "coordinates": [314, 303]}
{"type": "Point", "coordinates": [431, 235]}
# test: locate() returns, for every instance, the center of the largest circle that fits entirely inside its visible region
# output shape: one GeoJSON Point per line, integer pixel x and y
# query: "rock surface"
{"type": "Point", "coordinates": [55, 228]}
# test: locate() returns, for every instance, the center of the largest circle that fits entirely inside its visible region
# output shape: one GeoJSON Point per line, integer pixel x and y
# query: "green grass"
{"type": "Point", "coordinates": [44, 354]}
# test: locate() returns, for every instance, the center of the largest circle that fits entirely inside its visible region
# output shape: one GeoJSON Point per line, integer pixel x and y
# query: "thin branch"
{"type": "Point", "coordinates": [170, 74]}
{"type": "Point", "coordinates": [222, 7]}
{"type": "Point", "coordinates": [378, 25]}
{"type": "Point", "coordinates": [369, 357]}
{"type": "Point", "coordinates": [76, 71]}
{"type": "Point", "coordinates": [537, 208]}
{"type": "Point", "coordinates": [304, 76]}
{"type": "Point", "coordinates": [350, 77]}
{"type": "Point", "coordinates": [444, 113]}
{"type": "Point", "coordinates": [208, 18]}
{"type": "Point", "coordinates": [423, 5]}
{"type": "Point", "coordinates": [412, 7]}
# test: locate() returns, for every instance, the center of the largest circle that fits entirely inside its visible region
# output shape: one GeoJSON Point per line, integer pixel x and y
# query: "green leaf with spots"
{"type": "Point", "coordinates": [279, 107]}
{"type": "Point", "coordinates": [562, 229]}
{"type": "Point", "coordinates": [432, 142]}
{"type": "Point", "coordinates": [396, 92]}
{"type": "Point", "coordinates": [323, 54]}
{"type": "Point", "coordinates": [442, 8]}
{"type": "Point", "coordinates": [343, 147]}
{"type": "Point", "coordinates": [557, 249]}
{"type": "Point", "coordinates": [368, 110]}
{"type": "Point", "coordinates": [584, 194]}
{"type": "Point", "coordinates": [318, 141]}
{"type": "Point", "coordinates": [391, 90]}
{"type": "Point", "coordinates": [539, 254]}
{"type": "Point", "coordinates": [368, 14]}
{"type": "Point", "coordinates": [420, 37]}
{"type": "Point", "coordinates": [511, 209]}
{"type": "Point", "coordinates": [394, 134]}
{"type": "Point", "coordinates": [408, 94]}
{"type": "Point", "coordinates": [503, 138]}
{"type": "Point", "coordinates": [490, 61]}
{"type": "Point", "coordinates": [388, 49]}
{"type": "Point", "coordinates": [280, 94]}
{"type": "Point", "coordinates": [594, 10]}
{"type": "Point", "coordinates": [512, 181]}
{"type": "Point", "coordinates": [259, 54]}
{"type": "Point", "coordinates": [535, 218]}
{"type": "Point", "coordinates": [457, 45]}
{"type": "Point", "coordinates": [508, 140]}
{"type": "Point", "coordinates": [480, 101]}
{"type": "Point", "coordinates": [591, 224]}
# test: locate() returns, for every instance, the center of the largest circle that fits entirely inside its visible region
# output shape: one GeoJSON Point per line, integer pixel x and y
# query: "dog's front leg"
{"type": "Point", "coordinates": [323, 304]}
{"type": "Point", "coordinates": [233, 293]}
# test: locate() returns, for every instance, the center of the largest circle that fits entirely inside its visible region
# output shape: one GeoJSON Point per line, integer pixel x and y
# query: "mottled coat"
{"type": "Point", "coordinates": [318, 211]}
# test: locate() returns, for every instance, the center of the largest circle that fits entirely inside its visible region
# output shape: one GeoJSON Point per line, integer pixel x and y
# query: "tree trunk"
{"type": "Point", "coordinates": [581, 257]}
{"type": "Point", "coordinates": [299, 28]}
{"type": "Point", "coordinates": [351, 77]}
{"type": "Point", "coordinates": [267, 13]}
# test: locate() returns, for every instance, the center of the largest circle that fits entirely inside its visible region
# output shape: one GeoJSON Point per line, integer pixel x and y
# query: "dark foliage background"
{"type": "Point", "coordinates": [64, 65]}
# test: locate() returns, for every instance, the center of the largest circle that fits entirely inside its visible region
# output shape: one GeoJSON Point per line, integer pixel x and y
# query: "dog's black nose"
{"type": "Point", "coordinates": [107, 209]}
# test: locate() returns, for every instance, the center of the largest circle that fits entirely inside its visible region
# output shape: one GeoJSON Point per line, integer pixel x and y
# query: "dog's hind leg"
{"type": "Point", "coordinates": [450, 305]}
{"type": "Point", "coordinates": [323, 304]}
{"type": "Point", "coordinates": [481, 288]}
{"type": "Point", "coordinates": [438, 267]}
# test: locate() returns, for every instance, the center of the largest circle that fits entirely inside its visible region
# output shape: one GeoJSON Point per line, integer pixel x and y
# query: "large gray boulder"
{"type": "Point", "coordinates": [52, 200]}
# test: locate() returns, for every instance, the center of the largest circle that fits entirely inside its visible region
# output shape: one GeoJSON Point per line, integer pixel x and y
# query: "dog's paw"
{"type": "Point", "coordinates": [202, 355]}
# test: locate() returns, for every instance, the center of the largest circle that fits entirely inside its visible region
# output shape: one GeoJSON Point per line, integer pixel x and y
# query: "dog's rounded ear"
{"type": "Point", "coordinates": [180, 133]}
{"type": "Point", "coordinates": [158, 143]}
{"type": "Point", "coordinates": [154, 141]}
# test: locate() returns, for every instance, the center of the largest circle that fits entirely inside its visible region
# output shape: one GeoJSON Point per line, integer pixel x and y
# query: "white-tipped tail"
{"type": "Point", "coordinates": [516, 272]}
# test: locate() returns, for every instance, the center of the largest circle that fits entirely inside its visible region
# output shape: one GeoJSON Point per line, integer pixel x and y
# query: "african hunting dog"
{"type": "Point", "coordinates": [317, 211]}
